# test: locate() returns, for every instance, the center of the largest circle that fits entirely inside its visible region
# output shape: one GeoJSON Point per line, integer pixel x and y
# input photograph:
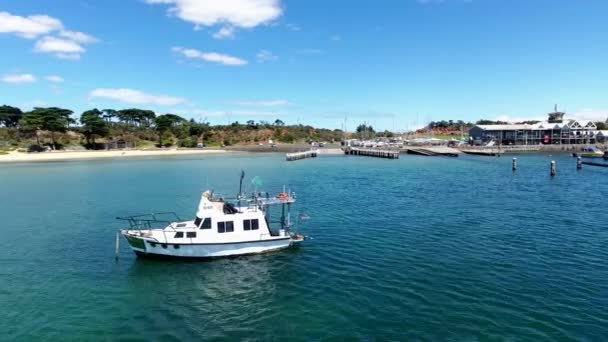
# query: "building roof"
{"type": "Point", "coordinates": [504, 127]}
{"type": "Point", "coordinates": [545, 125]}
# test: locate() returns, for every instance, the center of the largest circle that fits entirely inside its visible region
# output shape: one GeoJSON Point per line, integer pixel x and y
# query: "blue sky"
{"type": "Point", "coordinates": [395, 63]}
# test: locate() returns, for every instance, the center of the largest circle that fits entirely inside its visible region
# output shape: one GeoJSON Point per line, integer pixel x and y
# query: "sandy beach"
{"type": "Point", "coordinates": [17, 157]}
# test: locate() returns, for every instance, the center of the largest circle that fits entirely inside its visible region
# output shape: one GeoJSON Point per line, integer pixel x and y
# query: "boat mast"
{"type": "Point", "coordinates": [283, 212]}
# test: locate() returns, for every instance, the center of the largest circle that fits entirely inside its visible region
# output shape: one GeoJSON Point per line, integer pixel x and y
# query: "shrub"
{"type": "Point", "coordinates": [187, 142]}
{"type": "Point", "coordinates": [35, 148]}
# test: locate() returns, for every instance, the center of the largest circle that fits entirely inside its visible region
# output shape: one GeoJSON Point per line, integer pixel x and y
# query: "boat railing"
{"type": "Point", "coordinates": [150, 221]}
{"type": "Point", "coordinates": [257, 200]}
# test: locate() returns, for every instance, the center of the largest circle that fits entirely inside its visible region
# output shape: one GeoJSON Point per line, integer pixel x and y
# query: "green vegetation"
{"type": "Point", "coordinates": [56, 128]}
{"type": "Point", "coordinates": [490, 122]}
{"type": "Point", "coordinates": [528, 122]}
{"type": "Point", "coordinates": [10, 116]}
{"type": "Point", "coordinates": [451, 125]}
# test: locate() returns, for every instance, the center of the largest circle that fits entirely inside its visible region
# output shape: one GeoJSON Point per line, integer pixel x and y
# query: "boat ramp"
{"type": "Point", "coordinates": [433, 151]}
{"type": "Point", "coordinates": [489, 153]}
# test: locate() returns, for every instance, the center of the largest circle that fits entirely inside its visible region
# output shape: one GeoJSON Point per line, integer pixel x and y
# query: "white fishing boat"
{"type": "Point", "coordinates": [221, 228]}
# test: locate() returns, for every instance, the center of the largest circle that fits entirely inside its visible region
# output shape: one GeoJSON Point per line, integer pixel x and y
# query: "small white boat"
{"type": "Point", "coordinates": [220, 229]}
{"type": "Point", "coordinates": [590, 152]}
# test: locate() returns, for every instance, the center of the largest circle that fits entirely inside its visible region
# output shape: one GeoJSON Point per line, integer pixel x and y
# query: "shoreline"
{"type": "Point", "coordinates": [74, 155]}
{"type": "Point", "coordinates": [25, 157]}
{"type": "Point", "coordinates": [70, 155]}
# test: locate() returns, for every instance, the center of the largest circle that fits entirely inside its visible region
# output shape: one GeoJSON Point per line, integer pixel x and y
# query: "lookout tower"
{"type": "Point", "coordinates": [555, 116]}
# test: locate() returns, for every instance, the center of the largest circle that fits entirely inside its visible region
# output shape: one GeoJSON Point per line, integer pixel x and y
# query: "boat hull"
{"type": "Point", "coordinates": [146, 248]}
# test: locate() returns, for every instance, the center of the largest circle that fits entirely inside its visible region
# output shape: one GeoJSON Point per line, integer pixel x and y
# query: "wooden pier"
{"type": "Point", "coordinates": [371, 152]}
{"type": "Point", "coordinates": [433, 151]}
{"type": "Point", "coordinates": [301, 155]}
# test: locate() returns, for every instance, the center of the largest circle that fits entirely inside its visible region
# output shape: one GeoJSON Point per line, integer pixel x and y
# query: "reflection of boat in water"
{"type": "Point", "coordinates": [219, 229]}
{"type": "Point", "coordinates": [590, 152]}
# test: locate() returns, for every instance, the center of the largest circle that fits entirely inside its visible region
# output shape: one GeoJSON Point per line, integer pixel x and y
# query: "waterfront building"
{"type": "Point", "coordinates": [601, 137]}
{"type": "Point", "coordinates": [556, 130]}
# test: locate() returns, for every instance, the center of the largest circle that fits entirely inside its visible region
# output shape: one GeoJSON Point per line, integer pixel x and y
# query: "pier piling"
{"type": "Point", "coordinates": [579, 163]}
{"type": "Point", "coordinates": [553, 171]}
{"type": "Point", "coordinates": [514, 164]}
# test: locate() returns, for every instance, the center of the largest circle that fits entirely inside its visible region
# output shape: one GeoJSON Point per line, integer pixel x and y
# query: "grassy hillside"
{"type": "Point", "coordinates": [187, 134]}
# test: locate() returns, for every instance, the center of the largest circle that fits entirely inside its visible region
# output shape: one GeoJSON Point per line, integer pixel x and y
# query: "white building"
{"type": "Point", "coordinates": [555, 130]}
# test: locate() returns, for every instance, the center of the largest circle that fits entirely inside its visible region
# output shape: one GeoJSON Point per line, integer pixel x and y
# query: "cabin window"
{"type": "Point", "coordinates": [181, 225]}
{"type": "Point", "coordinates": [251, 224]}
{"type": "Point", "coordinates": [197, 221]}
{"type": "Point", "coordinates": [206, 223]}
{"type": "Point", "coordinates": [225, 227]}
{"type": "Point", "coordinates": [190, 234]}
{"type": "Point", "coordinates": [179, 235]}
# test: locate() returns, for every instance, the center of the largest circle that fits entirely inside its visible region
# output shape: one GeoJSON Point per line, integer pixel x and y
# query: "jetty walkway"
{"type": "Point", "coordinates": [372, 152]}
{"type": "Point", "coordinates": [301, 155]}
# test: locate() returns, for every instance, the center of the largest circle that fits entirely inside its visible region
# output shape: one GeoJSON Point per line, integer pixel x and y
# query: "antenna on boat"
{"type": "Point", "coordinates": [241, 186]}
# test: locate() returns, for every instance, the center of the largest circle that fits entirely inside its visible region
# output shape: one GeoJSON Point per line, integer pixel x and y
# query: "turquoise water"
{"type": "Point", "coordinates": [415, 248]}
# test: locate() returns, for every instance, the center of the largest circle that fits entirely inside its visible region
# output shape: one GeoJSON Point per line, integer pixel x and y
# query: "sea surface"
{"type": "Point", "coordinates": [420, 248]}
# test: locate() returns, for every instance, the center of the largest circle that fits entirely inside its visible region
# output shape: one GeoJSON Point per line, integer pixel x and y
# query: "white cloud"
{"type": "Point", "coordinates": [134, 96]}
{"type": "Point", "coordinates": [589, 114]}
{"type": "Point", "coordinates": [293, 27]}
{"type": "Point", "coordinates": [514, 119]}
{"type": "Point", "coordinates": [309, 51]}
{"type": "Point", "coordinates": [28, 27]}
{"type": "Point", "coordinates": [54, 79]}
{"type": "Point", "coordinates": [55, 39]}
{"type": "Point", "coordinates": [247, 112]}
{"type": "Point", "coordinates": [232, 13]}
{"type": "Point", "coordinates": [580, 114]}
{"type": "Point", "coordinates": [62, 48]}
{"type": "Point", "coordinates": [19, 78]}
{"type": "Point", "coordinates": [264, 103]}
{"type": "Point", "coordinates": [204, 113]}
{"type": "Point", "coordinates": [78, 37]}
{"type": "Point", "coordinates": [224, 32]}
{"type": "Point", "coordinates": [266, 56]}
{"type": "Point", "coordinates": [429, 2]}
{"type": "Point", "coordinates": [72, 56]}
{"type": "Point", "coordinates": [213, 57]}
